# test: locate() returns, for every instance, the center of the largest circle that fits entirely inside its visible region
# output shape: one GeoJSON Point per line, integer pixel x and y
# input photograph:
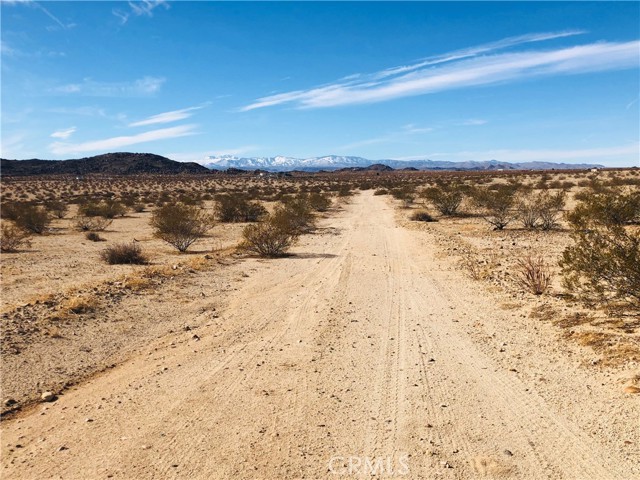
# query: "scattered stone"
{"type": "Point", "coordinates": [48, 397]}
{"type": "Point", "coordinates": [9, 402]}
{"type": "Point", "coordinates": [508, 453]}
{"type": "Point", "coordinates": [196, 338]}
{"type": "Point", "coordinates": [63, 448]}
{"type": "Point", "coordinates": [88, 420]}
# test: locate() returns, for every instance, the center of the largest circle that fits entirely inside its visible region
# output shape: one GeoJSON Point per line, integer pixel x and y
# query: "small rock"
{"type": "Point", "coordinates": [9, 401]}
{"type": "Point", "coordinates": [196, 338]}
{"type": "Point", "coordinates": [508, 453]}
{"type": "Point", "coordinates": [88, 420]}
{"type": "Point", "coordinates": [63, 448]}
{"type": "Point", "coordinates": [48, 397]}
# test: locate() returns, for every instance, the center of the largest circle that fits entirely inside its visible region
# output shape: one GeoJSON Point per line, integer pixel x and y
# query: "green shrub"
{"type": "Point", "coordinates": [108, 208]}
{"type": "Point", "coordinates": [270, 238]}
{"type": "Point", "coordinates": [319, 202]}
{"type": "Point", "coordinates": [608, 207]}
{"type": "Point", "coordinates": [180, 225]}
{"type": "Point", "coordinates": [57, 208]}
{"type": "Point", "coordinates": [124, 253]}
{"type": "Point", "coordinates": [237, 208]}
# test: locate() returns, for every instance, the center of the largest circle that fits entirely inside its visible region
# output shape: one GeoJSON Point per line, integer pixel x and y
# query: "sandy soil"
{"type": "Point", "coordinates": [368, 344]}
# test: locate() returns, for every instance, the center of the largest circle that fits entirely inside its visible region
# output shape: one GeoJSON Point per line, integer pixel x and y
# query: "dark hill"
{"type": "Point", "coordinates": [121, 163]}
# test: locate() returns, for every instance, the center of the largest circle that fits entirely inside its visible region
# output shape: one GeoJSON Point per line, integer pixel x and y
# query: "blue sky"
{"type": "Point", "coordinates": [509, 81]}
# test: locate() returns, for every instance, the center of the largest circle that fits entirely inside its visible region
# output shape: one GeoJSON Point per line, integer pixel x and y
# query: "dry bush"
{"type": "Point", "coordinates": [607, 207]}
{"type": "Point", "coordinates": [381, 191]}
{"type": "Point", "coordinates": [80, 304]}
{"type": "Point", "coordinates": [319, 202]}
{"type": "Point", "coordinates": [405, 193]}
{"type": "Point", "coordinates": [28, 217]}
{"type": "Point", "coordinates": [180, 225]}
{"type": "Point", "coordinates": [124, 253]}
{"type": "Point", "coordinates": [532, 274]}
{"type": "Point", "coordinates": [238, 208]}
{"type": "Point", "coordinates": [446, 198]}
{"type": "Point", "coordinates": [57, 207]}
{"type": "Point", "coordinates": [496, 203]}
{"type": "Point", "coordinates": [294, 215]}
{"type": "Point", "coordinates": [268, 238]}
{"type": "Point", "coordinates": [603, 264]}
{"type": "Point", "coordinates": [108, 208]}
{"type": "Point", "coordinates": [92, 224]}
{"type": "Point", "coordinates": [14, 238]}
{"type": "Point", "coordinates": [542, 209]}
{"type": "Point", "coordinates": [422, 216]}
{"type": "Point", "coordinates": [478, 268]}
{"type": "Point", "coordinates": [93, 237]}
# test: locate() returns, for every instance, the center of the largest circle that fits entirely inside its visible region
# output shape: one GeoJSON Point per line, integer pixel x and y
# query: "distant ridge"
{"type": "Point", "coordinates": [121, 163]}
{"type": "Point", "coordinates": [336, 162]}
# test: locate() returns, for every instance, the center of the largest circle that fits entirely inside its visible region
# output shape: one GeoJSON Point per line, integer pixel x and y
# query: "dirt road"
{"type": "Point", "coordinates": [359, 355]}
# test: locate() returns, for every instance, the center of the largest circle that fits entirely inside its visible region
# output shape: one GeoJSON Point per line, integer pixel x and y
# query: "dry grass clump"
{"type": "Point", "coordinates": [422, 216]}
{"type": "Point", "coordinates": [478, 268]}
{"type": "Point", "coordinates": [14, 238]}
{"type": "Point", "coordinates": [123, 254]}
{"type": "Point", "coordinates": [92, 224]}
{"type": "Point", "coordinates": [94, 237]}
{"type": "Point", "coordinates": [532, 274]}
{"type": "Point", "coordinates": [79, 305]}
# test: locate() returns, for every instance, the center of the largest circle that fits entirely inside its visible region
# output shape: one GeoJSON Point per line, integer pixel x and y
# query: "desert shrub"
{"type": "Point", "coordinates": [94, 237]}
{"type": "Point", "coordinates": [57, 208]}
{"type": "Point", "coordinates": [422, 216]}
{"type": "Point", "coordinates": [381, 191]}
{"type": "Point", "coordinates": [92, 224]}
{"type": "Point", "coordinates": [446, 198]}
{"type": "Point", "coordinates": [237, 208]}
{"type": "Point", "coordinates": [124, 253]}
{"type": "Point", "coordinates": [541, 210]}
{"type": "Point", "coordinates": [294, 215]}
{"type": "Point", "coordinates": [319, 202]}
{"type": "Point", "coordinates": [14, 238]}
{"type": "Point", "coordinates": [269, 238]}
{"type": "Point", "coordinates": [138, 207]}
{"type": "Point", "coordinates": [180, 225]}
{"type": "Point", "coordinates": [532, 274]}
{"type": "Point", "coordinates": [496, 204]}
{"type": "Point", "coordinates": [344, 191]}
{"type": "Point", "coordinates": [603, 263]}
{"type": "Point", "coordinates": [608, 207]}
{"type": "Point", "coordinates": [108, 208]}
{"type": "Point", "coordinates": [31, 217]}
{"type": "Point", "coordinates": [405, 193]}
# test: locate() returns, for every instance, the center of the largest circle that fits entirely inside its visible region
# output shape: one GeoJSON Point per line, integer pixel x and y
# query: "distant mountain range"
{"type": "Point", "coordinates": [335, 162]}
{"type": "Point", "coordinates": [123, 163]}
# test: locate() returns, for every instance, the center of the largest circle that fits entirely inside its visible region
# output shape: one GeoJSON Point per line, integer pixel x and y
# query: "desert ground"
{"type": "Point", "coordinates": [379, 346]}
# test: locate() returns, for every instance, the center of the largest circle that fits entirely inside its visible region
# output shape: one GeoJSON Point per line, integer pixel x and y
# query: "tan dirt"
{"type": "Point", "coordinates": [365, 344]}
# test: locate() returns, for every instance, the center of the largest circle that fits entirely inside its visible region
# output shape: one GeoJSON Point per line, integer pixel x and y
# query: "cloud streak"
{"type": "Point", "coordinates": [167, 117]}
{"type": "Point", "coordinates": [462, 69]}
{"type": "Point", "coordinates": [139, 8]}
{"type": "Point", "coordinates": [64, 134]}
{"type": "Point", "coordinates": [107, 144]}
{"type": "Point", "coordinates": [142, 87]}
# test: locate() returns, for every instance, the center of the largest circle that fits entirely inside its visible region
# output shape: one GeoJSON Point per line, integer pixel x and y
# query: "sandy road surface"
{"type": "Point", "coordinates": [356, 347]}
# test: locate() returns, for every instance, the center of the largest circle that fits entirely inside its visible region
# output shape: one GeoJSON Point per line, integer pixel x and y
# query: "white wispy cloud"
{"type": "Point", "coordinates": [64, 134]}
{"type": "Point", "coordinates": [31, 3]}
{"type": "Point", "coordinates": [107, 144]}
{"type": "Point", "coordinates": [142, 87]}
{"type": "Point", "coordinates": [392, 137]}
{"type": "Point", "coordinates": [630, 151]}
{"type": "Point", "coordinates": [466, 69]}
{"type": "Point", "coordinates": [139, 8]}
{"type": "Point", "coordinates": [167, 117]}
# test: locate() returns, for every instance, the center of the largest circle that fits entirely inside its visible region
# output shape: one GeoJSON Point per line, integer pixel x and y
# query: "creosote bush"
{"type": "Point", "coordinates": [108, 208]}
{"type": "Point", "coordinates": [496, 204]}
{"type": "Point", "coordinates": [268, 238]}
{"type": "Point", "coordinates": [237, 208]}
{"type": "Point", "coordinates": [14, 238]}
{"type": "Point", "coordinates": [541, 210]}
{"type": "Point", "coordinates": [180, 225]}
{"type": "Point", "coordinates": [446, 198]}
{"type": "Point", "coordinates": [319, 202]}
{"type": "Point", "coordinates": [28, 217]}
{"type": "Point", "coordinates": [124, 253]}
{"type": "Point", "coordinates": [603, 264]}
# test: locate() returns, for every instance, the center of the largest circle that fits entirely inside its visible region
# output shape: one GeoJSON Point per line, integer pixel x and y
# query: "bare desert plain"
{"type": "Point", "coordinates": [377, 346]}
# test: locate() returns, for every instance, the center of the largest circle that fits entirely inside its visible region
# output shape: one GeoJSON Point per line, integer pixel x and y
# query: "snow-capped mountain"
{"type": "Point", "coordinates": [335, 162]}
{"type": "Point", "coordinates": [281, 163]}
